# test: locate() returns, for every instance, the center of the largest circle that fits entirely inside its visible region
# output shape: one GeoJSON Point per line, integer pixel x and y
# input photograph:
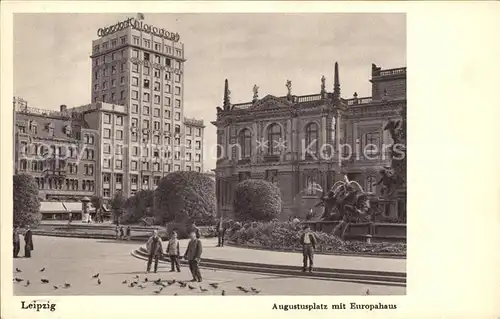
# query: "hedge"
{"type": "Point", "coordinates": [257, 200]}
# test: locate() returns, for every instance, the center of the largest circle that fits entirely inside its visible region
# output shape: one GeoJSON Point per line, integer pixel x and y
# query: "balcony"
{"type": "Point", "coordinates": [271, 158]}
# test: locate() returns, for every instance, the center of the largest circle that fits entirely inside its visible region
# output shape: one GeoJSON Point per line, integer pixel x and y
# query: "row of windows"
{"type": "Point", "coordinates": [157, 85]}
{"type": "Point", "coordinates": [156, 124]}
{"type": "Point", "coordinates": [111, 44]}
{"type": "Point", "coordinates": [156, 72]}
{"type": "Point", "coordinates": [146, 97]}
{"type": "Point", "coordinates": [107, 119]}
{"type": "Point", "coordinates": [145, 165]}
{"type": "Point", "coordinates": [107, 71]}
{"type": "Point", "coordinates": [146, 56]}
{"type": "Point", "coordinates": [106, 84]}
{"type": "Point", "coordinates": [70, 184]}
{"type": "Point", "coordinates": [134, 136]}
{"type": "Point", "coordinates": [157, 46]}
{"type": "Point", "coordinates": [110, 57]}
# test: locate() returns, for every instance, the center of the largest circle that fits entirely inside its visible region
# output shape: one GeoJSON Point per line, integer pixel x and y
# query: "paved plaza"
{"type": "Point", "coordinates": [75, 261]}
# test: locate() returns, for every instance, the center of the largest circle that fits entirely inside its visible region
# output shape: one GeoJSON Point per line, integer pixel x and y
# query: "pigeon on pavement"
{"type": "Point", "coordinates": [191, 287]}
{"type": "Point", "coordinates": [27, 283]}
{"type": "Point", "coordinates": [367, 291]}
{"type": "Point", "coordinates": [98, 281]}
{"type": "Point", "coordinates": [124, 282]}
{"type": "Point", "coordinates": [203, 289]}
{"type": "Point", "coordinates": [223, 293]}
{"type": "Point", "coordinates": [55, 287]}
{"type": "Point", "coordinates": [96, 275]}
{"type": "Point", "coordinates": [44, 281]}
{"type": "Point", "coordinates": [18, 279]}
{"type": "Point", "coordinates": [67, 285]}
{"type": "Point", "coordinates": [18, 270]}
{"type": "Point", "coordinates": [42, 270]}
{"type": "Point", "coordinates": [215, 285]}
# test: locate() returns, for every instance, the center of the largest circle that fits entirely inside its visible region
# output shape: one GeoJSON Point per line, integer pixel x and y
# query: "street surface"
{"type": "Point", "coordinates": [75, 261]}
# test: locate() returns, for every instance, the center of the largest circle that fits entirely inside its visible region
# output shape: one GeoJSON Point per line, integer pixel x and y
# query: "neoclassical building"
{"type": "Point", "coordinates": [306, 143]}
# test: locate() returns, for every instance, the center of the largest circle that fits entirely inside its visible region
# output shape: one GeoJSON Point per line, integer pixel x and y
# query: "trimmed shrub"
{"type": "Point", "coordinates": [185, 196]}
{"type": "Point", "coordinates": [257, 200]}
{"type": "Point", "coordinates": [117, 203]}
{"type": "Point", "coordinates": [139, 207]}
{"type": "Point", "coordinates": [26, 202]}
{"type": "Point", "coordinates": [286, 236]}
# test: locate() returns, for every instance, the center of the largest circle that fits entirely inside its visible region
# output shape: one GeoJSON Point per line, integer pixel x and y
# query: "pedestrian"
{"type": "Point", "coordinates": [70, 218]}
{"type": "Point", "coordinates": [173, 252]}
{"type": "Point", "coordinates": [194, 228]}
{"type": "Point", "coordinates": [128, 232]}
{"type": "Point", "coordinates": [155, 250]}
{"type": "Point", "coordinates": [28, 242]}
{"type": "Point", "coordinates": [310, 215]}
{"type": "Point", "coordinates": [308, 241]}
{"type": "Point", "coordinates": [16, 241]}
{"type": "Point", "coordinates": [117, 229]}
{"type": "Point", "coordinates": [193, 256]}
{"type": "Point", "coordinates": [121, 233]}
{"type": "Point", "coordinates": [221, 233]}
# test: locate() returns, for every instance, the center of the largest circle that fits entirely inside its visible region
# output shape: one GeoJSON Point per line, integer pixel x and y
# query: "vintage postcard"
{"type": "Point", "coordinates": [256, 151]}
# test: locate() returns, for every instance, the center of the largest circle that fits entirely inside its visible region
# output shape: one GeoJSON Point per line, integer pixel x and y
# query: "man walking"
{"type": "Point", "coordinates": [128, 232]}
{"type": "Point", "coordinates": [155, 250]}
{"type": "Point", "coordinates": [173, 252]}
{"type": "Point", "coordinates": [194, 228]}
{"type": "Point", "coordinates": [308, 242]}
{"type": "Point", "coordinates": [193, 256]}
{"type": "Point", "coordinates": [16, 241]}
{"type": "Point", "coordinates": [221, 233]}
{"type": "Point", "coordinates": [28, 242]}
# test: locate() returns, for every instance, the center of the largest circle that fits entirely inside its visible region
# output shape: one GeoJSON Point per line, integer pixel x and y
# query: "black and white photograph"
{"type": "Point", "coordinates": [209, 154]}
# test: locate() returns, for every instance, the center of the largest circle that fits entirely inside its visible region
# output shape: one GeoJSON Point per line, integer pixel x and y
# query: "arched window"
{"type": "Point", "coordinates": [274, 139]}
{"type": "Point", "coordinates": [245, 141]}
{"type": "Point", "coordinates": [370, 184]}
{"type": "Point", "coordinates": [312, 143]}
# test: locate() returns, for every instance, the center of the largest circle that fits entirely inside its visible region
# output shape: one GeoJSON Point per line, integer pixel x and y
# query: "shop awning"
{"type": "Point", "coordinates": [52, 207]}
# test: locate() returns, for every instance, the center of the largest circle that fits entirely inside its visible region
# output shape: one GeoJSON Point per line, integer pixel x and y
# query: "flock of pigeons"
{"type": "Point", "coordinates": [159, 284]}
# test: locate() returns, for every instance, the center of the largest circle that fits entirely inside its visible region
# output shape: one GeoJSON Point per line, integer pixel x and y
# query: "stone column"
{"type": "Point", "coordinates": [323, 130]}
{"type": "Point", "coordinates": [255, 138]}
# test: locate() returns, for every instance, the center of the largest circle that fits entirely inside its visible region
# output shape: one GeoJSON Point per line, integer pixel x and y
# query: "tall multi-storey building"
{"type": "Point", "coordinates": [300, 141]}
{"type": "Point", "coordinates": [139, 70]}
{"type": "Point", "coordinates": [58, 148]}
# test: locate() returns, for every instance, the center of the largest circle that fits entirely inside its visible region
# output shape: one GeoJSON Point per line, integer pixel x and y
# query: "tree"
{"type": "Point", "coordinates": [117, 203]}
{"type": "Point", "coordinates": [257, 200]}
{"type": "Point", "coordinates": [139, 206]}
{"type": "Point", "coordinates": [96, 201]}
{"type": "Point", "coordinates": [183, 196]}
{"type": "Point", "coordinates": [26, 201]}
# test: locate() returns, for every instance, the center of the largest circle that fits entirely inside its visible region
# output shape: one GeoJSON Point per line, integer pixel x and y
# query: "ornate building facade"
{"type": "Point", "coordinates": [305, 143]}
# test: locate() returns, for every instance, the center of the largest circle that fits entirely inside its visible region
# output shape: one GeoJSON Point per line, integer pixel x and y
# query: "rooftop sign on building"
{"type": "Point", "coordinates": [138, 25]}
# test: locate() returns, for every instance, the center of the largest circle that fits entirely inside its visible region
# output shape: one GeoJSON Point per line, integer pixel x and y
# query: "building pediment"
{"type": "Point", "coordinates": [271, 102]}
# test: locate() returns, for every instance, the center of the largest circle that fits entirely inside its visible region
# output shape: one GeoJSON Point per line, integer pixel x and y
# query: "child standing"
{"type": "Point", "coordinates": [173, 252]}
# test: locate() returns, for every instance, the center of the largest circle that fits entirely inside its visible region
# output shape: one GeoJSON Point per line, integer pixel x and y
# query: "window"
{"type": "Point", "coordinates": [146, 70]}
{"type": "Point", "coordinates": [197, 158]}
{"type": "Point", "coordinates": [135, 108]}
{"type": "Point", "coordinates": [96, 87]}
{"type": "Point", "coordinates": [156, 72]}
{"type": "Point", "coordinates": [113, 43]}
{"type": "Point", "coordinates": [156, 139]}
{"type": "Point", "coordinates": [146, 83]}
{"type": "Point", "coordinates": [133, 165]}
{"type": "Point", "coordinates": [135, 151]}
{"type": "Point", "coordinates": [118, 164]}
{"type": "Point", "coordinates": [123, 40]}
{"type": "Point", "coordinates": [113, 69]}
{"type": "Point", "coordinates": [274, 138]}
{"type": "Point", "coordinates": [166, 167]}
{"type": "Point", "coordinates": [178, 65]}
{"type": "Point", "coordinates": [137, 41]}
{"type": "Point", "coordinates": [189, 131]}
{"type": "Point", "coordinates": [145, 180]}
{"type": "Point", "coordinates": [119, 134]}
{"type": "Point", "coordinates": [145, 124]}
{"type": "Point", "coordinates": [119, 150]}
{"type": "Point", "coordinates": [158, 47]}
{"type": "Point", "coordinates": [145, 110]}
{"type": "Point", "coordinates": [157, 58]}
{"type": "Point", "coordinates": [133, 178]}
{"type": "Point", "coordinates": [157, 99]}
{"type": "Point", "coordinates": [156, 112]}
{"type": "Point", "coordinates": [122, 69]}
{"type": "Point", "coordinates": [168, 74]}
{"type": "Point", "coordinates": [106, 162]}
{"type": "Point", "coordinates": [198, 131]}
{"type": "Point", "coordinates": [167, 101]}
{"type": "Point", "coordinates": [177, 103]}
{"type": "Point", "coordinates": [156, 125]}
{"type": "Point", "coordinates": [177, 116]}
{"type": "Point", "coordinates": [198, 145]}
{"type": "Point", "coordinates": [312, 138]}
{"type": "Point", "coordinates": [177, 155]}
{"type": "Point", "coordinates": [106, 178]}
{"type": "Point", "coordinates": [177, 78]}
{"type": "Point", "coordinates": [122, 80]}
{"type": "Point", "coordinates": [177, 90]}
{"type": "Point", "coordinates": [113, 82]}
{"type": "Point", "coordinates": [135, 67]}
{"type": "Point", "coordinates": [177, 167]}
{"type": "Point", "coordinates": [107, 148]}
{"type": "Point", "coordinates": [118, 178]}
{"type": "Point", "coordinates": [119, 120]}
{"type": "Point", "coordinates": [106, 192]}
{"type": "Point", "coordinates": [107, 133]}
{"type": "Point", "coordinates": [145, 166]}
{"type": "Point", "coordinates": [134, 136]}
{"type": "Point", "coordinates": [135, 96]}
{"type": "Point", "coordinates": [113, 96]}
{"type": "Point", "coordinates": [146, 56]}
{"type": "Point", "coordinates": [177, 141]}
{"type": "Point", "coordinates": [167, 88]}
{"type": "Point", "coordinates": [145, 97]}
{"type": "Point", "coordinates": [371, 145]}
{"type": "Point", "coordinates": [105, 85]}
{"type": "Point", "coordinates": [178, 52]}
{"type": "Point", "coordinates": [135, 81]}
{"type": "Point", "coordinates": [188, 167]}
{"type": "Point", "coordinates": [177, 129]}
{"type": "Point", "coordinates": [188, 143]}
{"type": "Point", "coordinates": [167, 140]}
{"type": "Point", "coordinates": [156, 166]}
{"type": "Point", "coordinates": [198, 169]}
{"type": "Point", "coordinates": [245, 141]}
{"type": "Point", "coordinates": [167, 127]}
{"type": "Point", "coordinates": [122, 95]}
{"type": "Point", "coordinates": [157, 86]}
{"type": "Point", "coordinates": [188, 157]}
{"type": "Point", "coordinates": [156, 180]}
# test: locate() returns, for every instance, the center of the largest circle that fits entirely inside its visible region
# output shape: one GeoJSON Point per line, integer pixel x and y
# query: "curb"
{"type": "Point", "coordinates": [359, 276]}
{"type": "Point", "coordinates": [361, 254]}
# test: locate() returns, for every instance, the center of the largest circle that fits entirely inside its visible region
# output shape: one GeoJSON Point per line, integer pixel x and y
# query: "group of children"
{"type": "Point", "coordinates": [122, 234]}
{"type": "Point", "coordinates": [192, 254]}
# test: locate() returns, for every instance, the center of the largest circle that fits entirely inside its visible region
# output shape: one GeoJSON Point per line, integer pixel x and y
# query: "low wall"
{"type": "Point", "coordinates": [378, 231]}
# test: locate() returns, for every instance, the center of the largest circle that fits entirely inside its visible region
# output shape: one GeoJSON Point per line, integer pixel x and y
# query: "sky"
{"type": "Point", "coordinates": [52, 64]}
